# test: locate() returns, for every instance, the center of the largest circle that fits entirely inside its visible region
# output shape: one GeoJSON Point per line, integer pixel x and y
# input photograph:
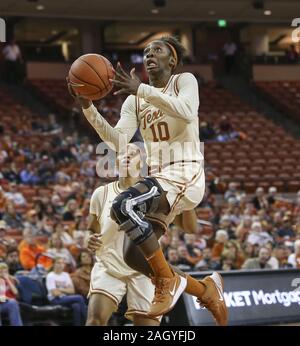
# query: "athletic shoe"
{"type": "Point", "coordinates": [167, 292]}
{"type": "Point", "coordinates": [213, 298]}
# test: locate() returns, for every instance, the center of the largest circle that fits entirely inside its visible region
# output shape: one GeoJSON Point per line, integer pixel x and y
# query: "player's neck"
{"type": "Point", "coordinates": [159, 80]}
{"type": "Point", "coordinates": [125, 182]}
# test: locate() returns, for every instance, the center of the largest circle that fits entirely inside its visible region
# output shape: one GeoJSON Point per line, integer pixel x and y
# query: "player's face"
{"type": "Point", "coordinates": [157, 58]}
{"type": "Point", "coordinates": [130, 160]}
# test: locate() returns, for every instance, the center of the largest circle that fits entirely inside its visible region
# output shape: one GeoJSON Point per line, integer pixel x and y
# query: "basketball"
{"type": "Point", "coordinates": [89, 76]}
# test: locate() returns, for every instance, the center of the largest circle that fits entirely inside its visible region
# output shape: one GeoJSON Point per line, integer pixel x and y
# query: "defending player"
{"type": "Point", "coordinates": [166, 112]}
{"type": "Point", "coordinates": [111, 278]}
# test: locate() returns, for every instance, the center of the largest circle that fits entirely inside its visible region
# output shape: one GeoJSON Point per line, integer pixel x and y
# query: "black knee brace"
{"type": "Point", "coordinates": [129, 208]}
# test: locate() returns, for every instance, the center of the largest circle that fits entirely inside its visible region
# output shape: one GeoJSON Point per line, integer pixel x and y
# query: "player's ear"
{"type": "Point", "coordinates": [172, 62]}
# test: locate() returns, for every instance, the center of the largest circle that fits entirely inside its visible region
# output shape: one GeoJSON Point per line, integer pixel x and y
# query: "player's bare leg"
{"type": "Point", "coordinates": [208, 291]}
{"type": "Point", "coordinates": [139, 320]}
{"type": "Point", "coordinates": [100, 310]}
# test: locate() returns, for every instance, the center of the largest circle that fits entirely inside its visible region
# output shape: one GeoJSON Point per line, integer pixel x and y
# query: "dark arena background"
{"type": "Point", "coordinates": [246, 57]}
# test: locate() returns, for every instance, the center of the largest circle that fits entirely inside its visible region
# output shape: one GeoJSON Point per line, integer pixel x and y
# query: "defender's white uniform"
{"type": "Point", "coordinates": [110, 275]}
{"type": "Point", "coordinates": [168, 121]}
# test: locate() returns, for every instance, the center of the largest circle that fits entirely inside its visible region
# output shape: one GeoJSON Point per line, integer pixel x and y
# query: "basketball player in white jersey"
{"type": "Point", "coordinates": [111, 277]}
{"type": "Point", "coordinates": [166, 112]}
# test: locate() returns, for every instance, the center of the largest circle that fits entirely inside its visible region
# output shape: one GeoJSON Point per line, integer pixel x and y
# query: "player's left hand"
{"type": "Point", "coordinates": [94, 242]}
{"type": "Point", "coordinates": [128, 84]}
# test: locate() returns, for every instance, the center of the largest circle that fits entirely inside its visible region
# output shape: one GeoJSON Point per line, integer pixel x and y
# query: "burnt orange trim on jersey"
{"type": "Point", "coordinates": [103, 201]}
{"type": "Point", "coordinates": [167, 86]}
{"type": "Point", "coordinates": [176, 89]}
{"type": "Point", "coordinates": [157, 220]}
{"type": "Point", "coordinates": [174, 181]}
{"type": "Point", "coordinates": [116, 188]}
{"type": "Point", "coordinates": [141, 313]}
{"type": "Point", "coordinates": [137, 109]}
{"type": "Point", "coordinates": [177, 199]}
{"type": "Point", "coordinates": [109, 295]}
{"type": "Point", "coordinates": [159, 168]}
{"type": "Point", "coordinates": [105, 196]}
{"type": "Point", "coordinates": [180, 195]}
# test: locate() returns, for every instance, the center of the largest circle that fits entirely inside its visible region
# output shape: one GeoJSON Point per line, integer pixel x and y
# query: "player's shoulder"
{"type": "Point", "coordinates": [100, 191]}
{"type": "Point", "coordinates": [188, 76]}
{"type": "Point", "coordinates": [130, 99]}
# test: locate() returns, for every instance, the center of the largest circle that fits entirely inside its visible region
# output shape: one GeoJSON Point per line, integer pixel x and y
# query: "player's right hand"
{"type": "Point", "coordinates": [94, 242]}
{"type": "Point", "coordinates": [85, 103]}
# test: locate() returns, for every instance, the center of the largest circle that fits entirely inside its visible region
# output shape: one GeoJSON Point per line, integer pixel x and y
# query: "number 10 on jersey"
{"type": "Point", "coordinates": [160, 131]}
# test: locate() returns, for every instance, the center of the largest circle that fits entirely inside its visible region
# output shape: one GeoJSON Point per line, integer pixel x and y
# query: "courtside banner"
{"type": "Point", "coordinates": [253, 297]}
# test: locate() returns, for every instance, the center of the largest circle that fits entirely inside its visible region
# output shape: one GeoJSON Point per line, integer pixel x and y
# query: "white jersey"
{"type": "Point", "coordinates": [167, 118]}
{"type": "Point", "coordinates": [111, 253]}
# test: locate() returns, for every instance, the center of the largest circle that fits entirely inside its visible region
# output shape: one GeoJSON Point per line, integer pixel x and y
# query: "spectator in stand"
{"type": "Point", "coordinates": [62, 232]}
{"type": "Point", "coordinates": [29, 175]}
{"type": "Point", "coordinates": [13, 261]}
{"type": "Point", "coordinates": [282, 254]}
{"type": "Point", "coordinates": [15, 196]}
{"type": "Point", "coordinates": [296, 210]}
{"type": "Point", "coordinates": [46, 170]}
{"type": "Point", "coordinates": [206, 263]}
{"type": "Point", "coordinates": [57, 249]}
{"type": "Point", "coordinates": [227, 262]}
{"type": "Point", "coordinates": [70, 210]}
{"type": "Point", "coordinates": [13, 62]}
{"type": "Point", "coordinates": [11, 217]}
{"type": "Point", "coordinates": [11, 173]}
{"type": "Point", "coordinates": [63, 187]}
{"type": "Point", "coordinates": [218, 247]}
{"type": "Point", "coordinates": [232, 191]}
{"type": "Point", "coordinates": [3, 154]}
{"type": "Point", "coordinates": [258, 236]}
{"type": "Point", "coordinates": [294, 258]}
{"type": "Point", "coordinates": [81, 277]}
{"type": "Point", "coordinates": [226, 224]}
{"type": "Point", "coordinates": [272, 261]}
{"type": "Point", "coordinates": [31, 253]}
{"type": "Point", "coordinates": [183, 263]}
{"type": "Point", "coordinates": [52, 125]}
{"type": "Point", "coordinates": [8, 294]}
{"type": "Point", "coordinates": [31, 221]}
{"type": "Point", "coordinates": [260, 201]}
{"type": "Point", "coordinates": [3, 202]}
{"type": "Point", "coordinates": [232, 250]}
{"type": "Point", "coordinates": [194, 253]}
{"type": "Point", "coordinates": [260, 262]}
{"type": "Point", "coordinates": [57, 204]}
{"type": "Point", "coordinates": [243, 229]}
{"type": "Point", "coordinates": [230, 51]}
{"type": "Point", "coordinates": [78, 244]}
{"type": "Point", "coordinates": [206, 131]}
{"type": "Point", "coordinates": [173, 257]}
{"type": "Point", "coordinates": [272, 196]}
{"type": "Point", "coordinates": [5, 241]}
{"type": "Point", "coordinates": [64, 153]}
{"type": "Point", "coordinates": [61, 292]}
{"type": "Point", "coordinates": [286, 231]}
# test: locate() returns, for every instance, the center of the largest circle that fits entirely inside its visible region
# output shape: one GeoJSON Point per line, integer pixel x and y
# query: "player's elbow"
{"type": "Point", "coordinates": [188, 116]}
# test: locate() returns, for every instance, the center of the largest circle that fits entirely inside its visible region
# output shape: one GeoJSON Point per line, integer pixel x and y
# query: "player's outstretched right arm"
{"type": "Point", "coordinates": [116, 137]}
